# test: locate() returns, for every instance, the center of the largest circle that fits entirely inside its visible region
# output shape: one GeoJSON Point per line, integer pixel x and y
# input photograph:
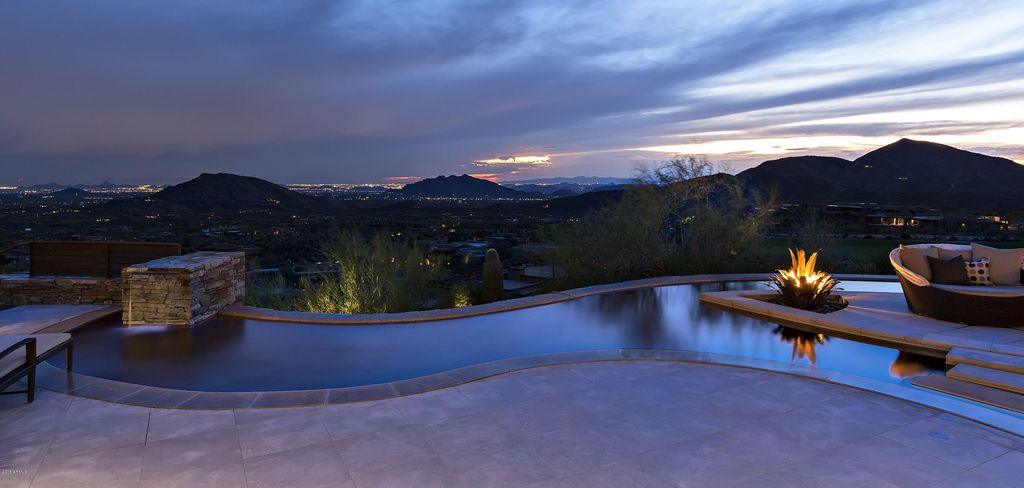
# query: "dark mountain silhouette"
{"type": "Point", "coordinates": [68, 194]}
{"type": "Point", "coordinates": [464, 186]}
{"type": "Point", "coordinates": [228, 194]}
{"type": "Point", "coordinates": [905, 172]}
{"type": "Point", "coordinates": [105, 185]}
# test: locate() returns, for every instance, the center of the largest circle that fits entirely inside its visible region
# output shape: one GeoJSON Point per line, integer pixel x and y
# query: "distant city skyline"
{"type": "Point", "coordinates": [363, 91]}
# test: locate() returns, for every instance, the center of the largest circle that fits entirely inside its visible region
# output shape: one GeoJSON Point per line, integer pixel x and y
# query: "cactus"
{"type": "Point", "coordinates": [493, 287]}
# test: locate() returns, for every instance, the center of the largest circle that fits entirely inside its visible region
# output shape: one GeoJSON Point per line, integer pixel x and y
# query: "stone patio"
{"type": "Point", "coordinates": [878, 317]}
{"type": "Point", "coordinates": [635, 424]}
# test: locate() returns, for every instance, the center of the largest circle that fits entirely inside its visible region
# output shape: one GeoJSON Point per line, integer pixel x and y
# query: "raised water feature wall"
{"type": "Point", "coordinates": [182, 290]}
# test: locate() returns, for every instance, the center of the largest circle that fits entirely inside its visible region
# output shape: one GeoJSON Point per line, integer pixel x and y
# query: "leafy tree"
{"type": "Point", "coordinates": [681, 217]}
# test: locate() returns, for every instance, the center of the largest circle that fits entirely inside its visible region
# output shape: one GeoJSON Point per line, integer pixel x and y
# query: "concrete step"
{"type": "Point", "coordinates": [1004, 380]}
{"type": "Point", "coordinates": [972, 391]}
{"type": "Point", "coordinates": [985, 359]}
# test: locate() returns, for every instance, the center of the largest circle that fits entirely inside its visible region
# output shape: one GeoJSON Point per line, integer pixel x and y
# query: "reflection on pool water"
{"type": "Point", "coordinates": [233, 354]}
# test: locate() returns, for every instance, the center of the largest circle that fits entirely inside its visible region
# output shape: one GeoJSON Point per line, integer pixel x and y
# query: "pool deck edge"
{"type": "Point", "coordinates": [56, 379]}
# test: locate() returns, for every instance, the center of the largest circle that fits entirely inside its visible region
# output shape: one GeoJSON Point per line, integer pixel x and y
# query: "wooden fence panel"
{"type": "Point", "coordinates": [99, 259]}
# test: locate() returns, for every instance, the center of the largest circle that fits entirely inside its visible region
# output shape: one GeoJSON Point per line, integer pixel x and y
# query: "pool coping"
{"type": "Point", "coordinates": [247, 312]}
{"type": "Point", "coordinates": [56, 379]}
{"type": "Point", "coordinates": [53, 378]}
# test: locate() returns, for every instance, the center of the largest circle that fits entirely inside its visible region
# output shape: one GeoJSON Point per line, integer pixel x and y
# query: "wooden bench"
{"type": "Point", "coordinates": [21, 353]}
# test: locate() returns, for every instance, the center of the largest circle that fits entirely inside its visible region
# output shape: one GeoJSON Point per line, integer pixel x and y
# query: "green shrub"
{"type": "Point", "coordinates": [462, 296]}
{"type": "Point", "coordinates": [375, 275]}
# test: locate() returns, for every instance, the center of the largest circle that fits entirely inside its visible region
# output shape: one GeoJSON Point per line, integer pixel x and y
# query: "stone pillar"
{"type": "Point", "coordinates": [182, 290]}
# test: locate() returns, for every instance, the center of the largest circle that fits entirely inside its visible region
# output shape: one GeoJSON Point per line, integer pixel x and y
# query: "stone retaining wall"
{"type": "Point", "coordinates": [20, 289]}
{"type": "Point", "coordinates": [182, 290]}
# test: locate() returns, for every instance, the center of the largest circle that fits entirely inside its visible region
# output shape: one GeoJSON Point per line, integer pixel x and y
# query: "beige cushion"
{"type": "Point", "coordinates": [948, 254]}
{"type": "Point", "coordinates": [44, 343]}
{"type": "Point", "coordinates": [916, 259]}
{"type": "Point", "coordinates": [1003, 264]}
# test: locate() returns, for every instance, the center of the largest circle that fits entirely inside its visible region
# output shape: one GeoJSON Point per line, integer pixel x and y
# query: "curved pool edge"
{"type": "Point", "coordinates": [247, 312]}
{"type": "Point", "coordinates": [53, 378]}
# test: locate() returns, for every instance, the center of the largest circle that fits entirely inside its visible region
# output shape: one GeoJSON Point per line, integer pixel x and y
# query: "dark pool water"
{"type": "Point", "coordinates": [232, 354]}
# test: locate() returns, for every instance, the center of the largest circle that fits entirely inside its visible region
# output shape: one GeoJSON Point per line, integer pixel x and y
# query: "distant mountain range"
{"type": "Point", "coordinates": [464, 186]}
{"type": "Point", "coordinates": [228, 194]}
{"type": "Point", "coordinates": [558, 190]}
{"type": "Point", "coordinates": [68, 194]}
{"type": "Point", "coordinates": [906, 172]}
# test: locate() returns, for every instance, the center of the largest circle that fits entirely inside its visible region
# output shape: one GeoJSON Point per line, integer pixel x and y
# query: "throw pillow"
{"type": "Point", "coordinates": [1004, 264]}
{"type": "Point", "coordinates": [978, 272]}
{"type": "Point", "coordinates": [948, 271]}
{"type": "Point", "coordinates": [914, 259]}
{"type": "Point", "coordinates": [951, 253]}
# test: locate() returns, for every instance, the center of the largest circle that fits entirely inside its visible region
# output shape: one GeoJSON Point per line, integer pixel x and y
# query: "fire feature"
{"type": "Point", "coordinates": [801, 286]}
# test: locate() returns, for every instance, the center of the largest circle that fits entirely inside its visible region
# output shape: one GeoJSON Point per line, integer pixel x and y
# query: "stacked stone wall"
{"type": "Point", "coordinates": [182, 290]}
{"type": "Point", "coordinates": [21, 289]}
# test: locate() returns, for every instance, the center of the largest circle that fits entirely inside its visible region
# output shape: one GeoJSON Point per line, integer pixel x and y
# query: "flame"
{"type": "Point", "coordinates": [803, 348]}
{"type": "Point", "coordinates": [804, 344]}
{"type": "Point", "coordinates": [802, 272]}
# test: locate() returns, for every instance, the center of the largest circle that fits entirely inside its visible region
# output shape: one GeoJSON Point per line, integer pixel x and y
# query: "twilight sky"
{"type": "Point", "coordinates": [359, 91]}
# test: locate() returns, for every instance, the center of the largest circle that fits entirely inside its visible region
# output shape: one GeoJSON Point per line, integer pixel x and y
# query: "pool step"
{"type": "Point", "coordinates": [992, 360]}
{"type": "Point", "coordinates": [1004, 380]}
{"type": "Point", "coordinates": [972, 391]}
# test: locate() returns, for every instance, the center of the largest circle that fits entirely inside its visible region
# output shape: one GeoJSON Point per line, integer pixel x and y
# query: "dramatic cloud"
{"type": "Point", "coordinates": [353, 90]}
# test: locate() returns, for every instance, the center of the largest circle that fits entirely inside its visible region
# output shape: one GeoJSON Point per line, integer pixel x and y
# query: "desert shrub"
{"type": "Point", "coordinates": [375, 275]}
{"type": "Point", "coordinates": [462, 295]}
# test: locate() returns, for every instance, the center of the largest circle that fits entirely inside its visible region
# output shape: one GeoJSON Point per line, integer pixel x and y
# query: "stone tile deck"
{"type": "Point", "coordinates": [637, 424]}
{"type": "Point", "coordinates": [879, 317]}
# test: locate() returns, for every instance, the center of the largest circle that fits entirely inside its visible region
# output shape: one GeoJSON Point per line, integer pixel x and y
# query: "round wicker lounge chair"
{"type": "Point", "coordinates": [996, 306]}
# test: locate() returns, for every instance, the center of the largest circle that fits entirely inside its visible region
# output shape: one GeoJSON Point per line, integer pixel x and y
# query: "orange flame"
{"type": "Point", "coordinates": [802, 272]}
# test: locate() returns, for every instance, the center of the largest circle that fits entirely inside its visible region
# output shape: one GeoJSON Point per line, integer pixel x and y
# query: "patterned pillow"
{"type": "Point", "coordinates": [978, 273]}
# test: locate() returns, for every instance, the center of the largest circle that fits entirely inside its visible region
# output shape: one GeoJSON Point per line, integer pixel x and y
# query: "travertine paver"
{"type": "Point", "coordinates": [880, 316]}
{"type": "Point", "coordinates": [632, 424]}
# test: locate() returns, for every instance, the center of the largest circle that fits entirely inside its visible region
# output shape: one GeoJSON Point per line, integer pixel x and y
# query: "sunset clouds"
{"type": "Point", "coordinates": [364, 90]}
